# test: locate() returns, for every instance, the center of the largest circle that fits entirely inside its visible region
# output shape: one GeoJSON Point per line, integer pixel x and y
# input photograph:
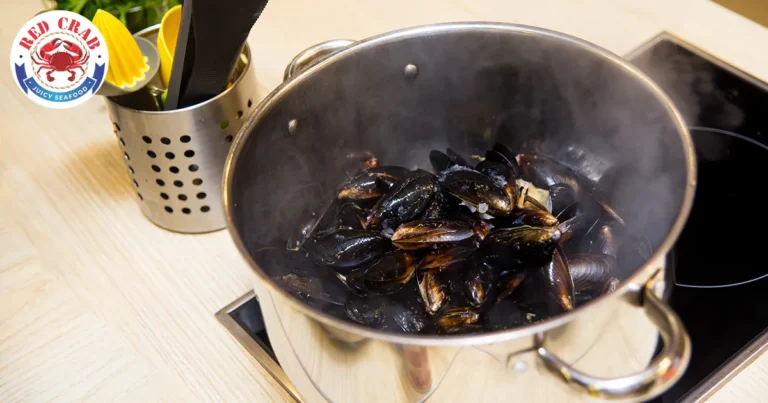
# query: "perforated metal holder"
{"type": "Point", "coordinates": [176, 158]}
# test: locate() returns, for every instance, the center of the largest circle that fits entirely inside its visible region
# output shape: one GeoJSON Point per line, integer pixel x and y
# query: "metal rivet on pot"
{"type": "Point", "coordinates": [520, 362]}
{"type": "Point", "coordinates": [292, 126]}
{"type": "Point", "coordinates": [411, 71]}
{"type": "Point", "coordinates": [519, 366]}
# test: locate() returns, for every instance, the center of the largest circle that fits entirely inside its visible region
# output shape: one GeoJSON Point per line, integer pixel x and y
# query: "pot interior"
{"type": "Point", "coordinates": [534, 91]}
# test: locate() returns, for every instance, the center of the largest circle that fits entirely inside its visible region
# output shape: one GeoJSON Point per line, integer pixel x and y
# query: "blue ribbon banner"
{"type": "Point", "coordinates": [29, 83]}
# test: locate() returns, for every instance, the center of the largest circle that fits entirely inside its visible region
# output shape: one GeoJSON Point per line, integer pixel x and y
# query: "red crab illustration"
{"type": "Point", "coordinates": [61, 55]}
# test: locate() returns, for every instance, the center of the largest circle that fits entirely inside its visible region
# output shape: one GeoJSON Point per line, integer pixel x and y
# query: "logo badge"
{"type": "Point", "coordinates": [59, 59]}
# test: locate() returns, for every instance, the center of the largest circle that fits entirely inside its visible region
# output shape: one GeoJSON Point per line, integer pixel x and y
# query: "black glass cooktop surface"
{"type": "Point", "coordinates": [720, 279]}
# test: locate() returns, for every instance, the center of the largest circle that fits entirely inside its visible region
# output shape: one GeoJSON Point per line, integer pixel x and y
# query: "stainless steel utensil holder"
{"type": "Point", "coordinates": [176, 158]}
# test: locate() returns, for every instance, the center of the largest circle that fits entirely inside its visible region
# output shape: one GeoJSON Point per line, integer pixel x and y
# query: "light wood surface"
{"type": "Point", "coordinates": [97, 304]}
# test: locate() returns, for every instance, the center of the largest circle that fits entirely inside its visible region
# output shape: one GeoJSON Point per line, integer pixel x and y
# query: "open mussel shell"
{"type": "Point", "coordinates": [347, 248]}
{"type": "Point", "coordinates": [562, 196]}
{"type": "Point", "coordinates": [477, 190]}
{"type": "Point", "coordinates": [521, 242]}
{"type": "Point", "coordinates": [434, 290]}
{"type": "Point", "coordinates": [371, 183]}
{"type": "Point", "coordinates": [534, 217]}
{"type": "Point", "coordinates": [544, 172]}
{"type": "Point", "coordinates": [459, 319]}
{"type": "Point", "coordinates": [422, 234]}
{"type": "Point", "coordinates": [405, 200]}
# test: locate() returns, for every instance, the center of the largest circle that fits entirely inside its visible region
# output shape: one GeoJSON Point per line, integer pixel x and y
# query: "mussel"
{"type": "Point", "coordinates": [498, 167]}
{"type": "Point", "coordinates": [456, 319]}
{"type": "Point", "coordinates": [522, 242]}
{"type": "Point", "coordinates": [508, 314]}
{"type": "Point", "coordinates": [433, 290]}
{"type": "Point", "coordinates": [369, 312]}
{"type": "Point", "coordinates": [559, 281]}
{"type": "Point", "coordinates": [477, 190]}
{"type": "Point", "coordinates": [346, 248]}
{"type": "Point", "coordinates": [439, 207]}
{"type": "Point", "coordinates": [408, 312]}
{"type": "Point", "coordinates": [534, 217]}
{"type": "Point", "coordinates": [545, 172]}
{"type": "Point", "coordinates": [591, 271]}
{"type": "Point", "coordinates": [445, 258]}
{"type": "Point", "coordinates": [405, 200]}
{"type": "Point", "coordinates": [481, 280]}
{"type": "Point", "coordinates": [511, 283]}
{"type": "Point", "coordinates": [426, 233]}
{"type": "Point", "coordinates": [443, 160]}
{"type": "Point", "coordinates": [388, 274]}
{"type": "Point", "coordinates": [562, 196]}
{"type": "Point", "coordinates": [371, 183]}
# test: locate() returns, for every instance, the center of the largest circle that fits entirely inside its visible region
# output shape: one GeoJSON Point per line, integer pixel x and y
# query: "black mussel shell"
{"type": "Point", "coordinates": [562, 196]}
{"type": "Point", "coordinates": [347, 248]}
{"type": "Point", "coordinates": [481, 281]}
{"type": "Point", "coordinates": [549, 289]}
{"type": "Point", "coordinates": [439, 207]}
{"type": "Point", "coordinates": [439, 160]}
{"type": "Point", "coordinates": [510, 283]}
{"type": "Point", "coordinates": [433, 289]}
{"type": "Point", "coordinates": [544, 172]}
{"type": "Point", "coordinates": [350, 216]}
{"type": "Point", "coordinates": [406, 199]}
{"type": "Point", "coordinates": [591, 271]}
{"type": "Point", "coordinates": [445, 258]}
{"type": "Point", "coordinates": [500, 173]}
{"type": "Point", "coordinates": [509, 314]}
{"type": "Point", "coordinates": [577, 227]}
{"type": "Point", "coordinates": [607, 239]}
{"type": "Point", "coordinates": [455, 320]}
{"type": "Point", "coordinates": [407, 311]}
{"type": "Point", "coordinates": [306, 227]}
{"type": "Point", "coordinates": [478, 190]}
{"type": "Point", "coordinates": [455, 157]}
{"type": "Point", "coordinates": [314, 290]}
{"type": "Point", "coordinates": [371, 183]}
{"type": "Point", "coordinates": [559, 280]}
{"type": "Point", "coordinates": [534, 217]}
{"type": "Point", "coordinates": [506, 152]}
{"type": "Point", "coordinates": [521, 242]}
{"type": "Point", "coordinates": [369, 312]}
{"type": "Point", "coordinates": [389, 273]}
{"type": "Point", "coordinates": [422, 234]}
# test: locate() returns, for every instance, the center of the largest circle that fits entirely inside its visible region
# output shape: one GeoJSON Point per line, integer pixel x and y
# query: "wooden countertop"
{"type": "Point", "coordinates": [97, 304]}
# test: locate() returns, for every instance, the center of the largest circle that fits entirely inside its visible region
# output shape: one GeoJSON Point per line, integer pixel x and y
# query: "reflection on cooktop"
{"type": "Point", "coordinates": [720, 278]}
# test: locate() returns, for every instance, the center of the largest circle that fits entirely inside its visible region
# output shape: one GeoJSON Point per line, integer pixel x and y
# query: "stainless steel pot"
{"type": "Point", "coordinates": [467, 86]}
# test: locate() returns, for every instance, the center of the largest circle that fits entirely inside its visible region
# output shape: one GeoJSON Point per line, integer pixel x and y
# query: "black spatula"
{"type": "Point", "coordinates": [219, 30]}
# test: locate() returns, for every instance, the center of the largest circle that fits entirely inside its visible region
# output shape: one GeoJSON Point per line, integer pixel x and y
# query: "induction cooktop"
{"type": "Point", "coordinates": [720, 281]}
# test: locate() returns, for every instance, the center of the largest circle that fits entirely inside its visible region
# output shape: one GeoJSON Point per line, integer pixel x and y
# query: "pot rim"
{"type": "Point", "coordinates": [634, 283]}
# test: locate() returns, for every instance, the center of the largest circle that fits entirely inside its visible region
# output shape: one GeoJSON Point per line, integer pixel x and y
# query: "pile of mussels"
{"type": "Point", "coordinates": [505, 242]}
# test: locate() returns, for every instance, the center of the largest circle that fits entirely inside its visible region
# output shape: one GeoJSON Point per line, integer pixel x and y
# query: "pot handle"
{"type": "Point", "coordinates": [314, 55]}
{"type": "Point", "coordinates": [661, 372]}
